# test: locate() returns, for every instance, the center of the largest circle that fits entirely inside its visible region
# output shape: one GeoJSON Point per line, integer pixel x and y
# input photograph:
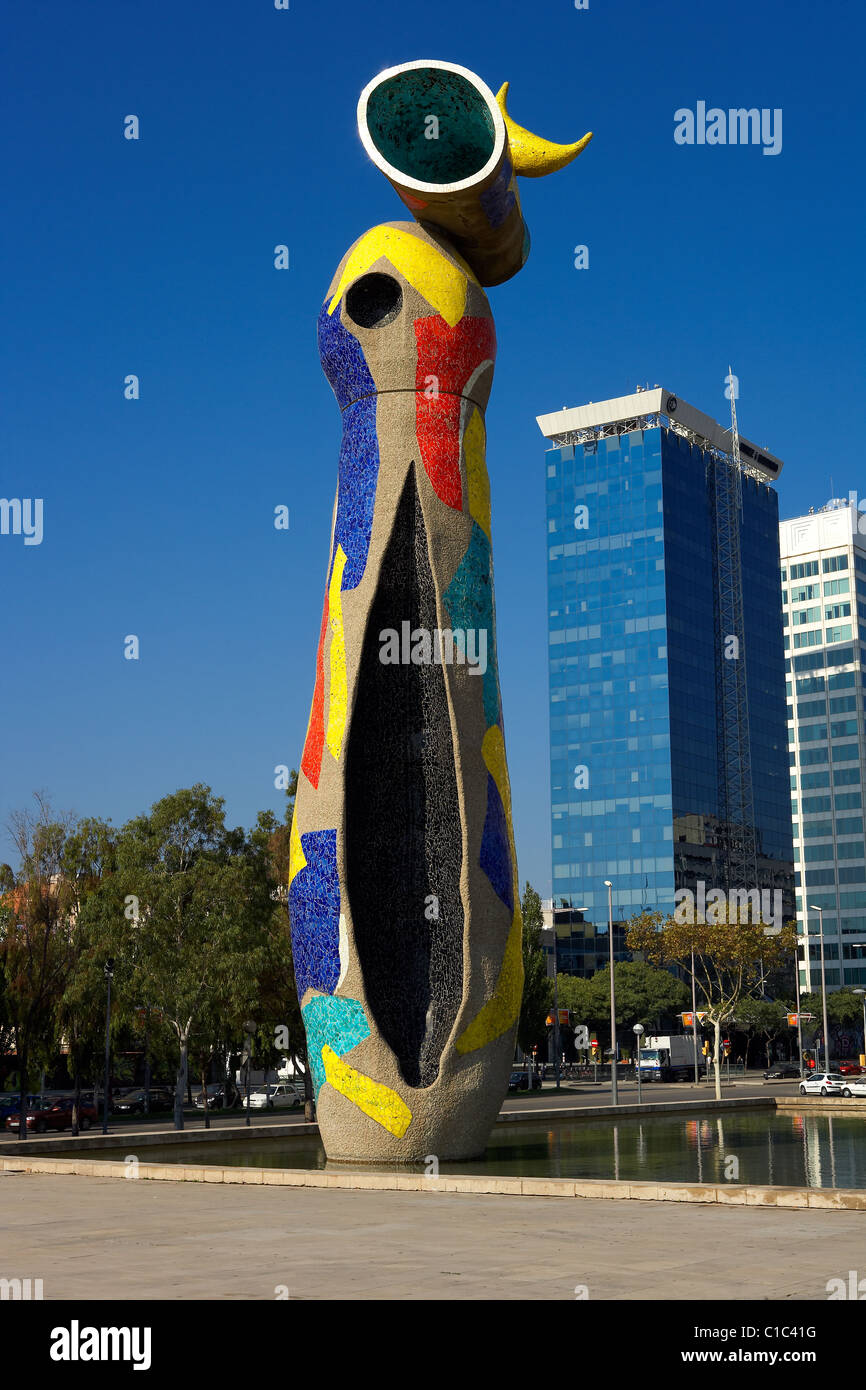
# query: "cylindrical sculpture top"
{"type": "Point", "coordinates": [435, 131]}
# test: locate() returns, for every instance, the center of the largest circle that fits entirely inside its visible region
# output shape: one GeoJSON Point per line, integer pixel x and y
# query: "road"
{"type": "Point", "coordinates": [571, 1095]}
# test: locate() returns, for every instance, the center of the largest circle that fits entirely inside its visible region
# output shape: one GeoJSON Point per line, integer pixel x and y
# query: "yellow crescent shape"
{"type": "Point", "coordinates": [533, 157]}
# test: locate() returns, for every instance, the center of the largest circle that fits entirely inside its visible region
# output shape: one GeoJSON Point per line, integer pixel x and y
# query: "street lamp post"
{"type": "Point", "coordinates": [862, 993]}
{"type": "Point", "coordinates": [820, 912]}
{"type": "Point", "coordinates": [638, 1034]}
{"type": "Point", "coordinates": [250, 1026]}
{"type": "Point", "coordinates": [799, 1024]}
{"type": "Point", "coordinates": [556, 1041]}
{"type": "Point", "coordinates": [613, 1096]}
{"type": "Point", "coordinates": [694, 1017]}
{"type": "Point", "coordinates": [108, 970]}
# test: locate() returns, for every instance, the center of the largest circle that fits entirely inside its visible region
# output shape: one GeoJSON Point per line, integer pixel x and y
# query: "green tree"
{"type": "Point", "coordinates": [582, 998]}
{"type": "Point", "coordinates": [35, 944]}
{"type": "Point", "coordinates": [185, 917]}
{"type": "Point", "coordinates": [88, 858]}
{"type": "Point", "coordinates": [537, 987]}
{"type": "Point", "coordinates": [844, 1008]}
{"type": "Point", "coordinates": [761, 1018]}
{"type": "Point", "coordinates": [728, 959]}
{"type": "Point", "coordinates": [643, 992]}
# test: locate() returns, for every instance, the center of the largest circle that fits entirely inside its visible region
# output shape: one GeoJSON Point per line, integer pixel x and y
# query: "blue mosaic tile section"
{"type": "Point", "coordinates": [338, 1023]}
{"type": "Point", "coordinates": [346, 368]}
{"type": "Point", "coordinates": [495, 858]}
{"type": "Point", "coordinates": [343, 360]}
{"type": "Point", "coordinates": [498, 200]}
{"type": "Point", "coordinates": [469, 603]}
{"type": "Point", "coordinates": [356, 495]}
{"type": "Point", "coordinates": [314, 909]}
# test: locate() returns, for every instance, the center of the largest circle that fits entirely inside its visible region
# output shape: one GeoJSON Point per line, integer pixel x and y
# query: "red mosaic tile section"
{"type": "Point", "coordinates": [450, 355]}
{"type": "Point", "coordinates": [311, 763]}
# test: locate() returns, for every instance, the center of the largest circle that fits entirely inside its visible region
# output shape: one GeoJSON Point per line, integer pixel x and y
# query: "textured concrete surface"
{"type": "Point", "coordinates": [734, 1194]}
{"type": "Point", "coordinates": [92, 1238]}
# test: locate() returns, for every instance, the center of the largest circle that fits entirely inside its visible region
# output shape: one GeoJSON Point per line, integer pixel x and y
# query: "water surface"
{"type": "Point", "coordinates": [754, 1147]}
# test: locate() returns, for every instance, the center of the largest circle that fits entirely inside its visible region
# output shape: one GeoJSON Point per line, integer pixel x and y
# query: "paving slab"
{"type": "Point", "coordinates": [100, 1238]}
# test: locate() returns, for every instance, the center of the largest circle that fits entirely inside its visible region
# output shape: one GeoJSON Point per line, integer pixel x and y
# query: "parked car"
{"type": "Point", "coordinates": [133, 1103]}
{"type": "Point", "coordinates": [854, 1086]}
{"type": "Point", "coordinates": [55, 1115]}
{"type": "Point", "coordinates": [824, 1083]}
{"type": "Point", "coordinates": [517, 1081]}
{"type": "Point", "coordinates": [282, 1095]}
{"type": "Point", "coordinates": [781, 1073]}
{"type": "Point", "coordinates": [219, 1097]}
{"type": "Point", "coordinates": [87, 1111]}
{"type": "Point", "coordinates": [9, 1102]}
{"type": "Point", "coordinates": [849, 1069]}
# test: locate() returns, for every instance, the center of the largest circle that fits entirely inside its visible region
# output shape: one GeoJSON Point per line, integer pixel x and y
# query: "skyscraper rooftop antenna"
{"type": "Point", "coordinates": [735, 440]}
{"type": "Point", "coordinates": [738, 841]}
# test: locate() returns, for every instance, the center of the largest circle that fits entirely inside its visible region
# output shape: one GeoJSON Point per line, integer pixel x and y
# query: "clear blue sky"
{"type": "Point", "coordinates": [156, 257]}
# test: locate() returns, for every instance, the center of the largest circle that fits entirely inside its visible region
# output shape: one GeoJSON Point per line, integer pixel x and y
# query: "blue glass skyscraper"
{"type": "Point", "coordinates": [669, 761]}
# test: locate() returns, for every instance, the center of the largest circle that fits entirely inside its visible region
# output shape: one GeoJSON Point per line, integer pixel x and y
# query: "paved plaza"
{"type": "Point", "coordinates": [100, 1238]}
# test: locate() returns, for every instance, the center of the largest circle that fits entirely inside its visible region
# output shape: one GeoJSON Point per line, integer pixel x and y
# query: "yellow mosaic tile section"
{"type": "Point", "coordinates": [337, 693]}
{"type": "Point", "coordinates": [503, 1006]}
{"type": "Point", "coordinates": [478, 482]}
{"type": "Point", "coordinates": [379, 1102]}
{"type": "Point", "coordinates": [431, 273]}
{"type": "Point", "coordinates": [297, 859]}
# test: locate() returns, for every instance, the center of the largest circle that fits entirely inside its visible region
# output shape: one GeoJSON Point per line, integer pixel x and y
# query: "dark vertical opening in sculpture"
{"type": "Point", "coordinates": [404, 837]}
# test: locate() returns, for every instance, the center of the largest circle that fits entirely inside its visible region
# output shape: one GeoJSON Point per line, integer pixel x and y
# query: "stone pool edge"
{"type": "Point", "coordinates": [832, 1199]}
{"type": "Point", "coordinates": [733, 1194]}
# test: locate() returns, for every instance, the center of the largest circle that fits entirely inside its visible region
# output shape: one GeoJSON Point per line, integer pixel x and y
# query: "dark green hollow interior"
{"type": "Point", "coordinates": [397, 112]}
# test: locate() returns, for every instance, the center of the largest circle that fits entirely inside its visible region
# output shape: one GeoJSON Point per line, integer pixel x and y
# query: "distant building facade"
{"type": "Point", "coordinates": [668, 749]}
{"type": "Point", "coordinates": [823, 559]}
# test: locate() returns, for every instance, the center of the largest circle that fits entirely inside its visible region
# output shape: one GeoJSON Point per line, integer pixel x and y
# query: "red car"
{"type": "Point", "coordinates": [57, 1115]}
{"type": "Point", "coordinates": [849, 1068]}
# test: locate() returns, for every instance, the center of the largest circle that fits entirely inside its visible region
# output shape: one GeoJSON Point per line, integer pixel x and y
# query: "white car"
{"type": "Point", "coordinates": [280, 1096]}
{"type": "Point", "coordinates": [854, 1086]}
{"type": "Point", "coordinates": [824, 1083]}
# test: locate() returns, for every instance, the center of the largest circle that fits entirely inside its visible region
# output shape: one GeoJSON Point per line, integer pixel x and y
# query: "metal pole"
{"type": "Point", "coordinates": [694, 1017]}
{"type": "Point", "coordinates": [250, 1026]}
{"type": "Point", "coordinates": [799, 1023]}
{"type": "Point", "coordinates": [556, 1043]}
{"type": "Point", "coordinates": [613, 1095]}
{"type": "Point", "coordinates": [147, 1064]}
{"type": "Point", "coordinates": [638, 1034]}
{"type": "Point", "coordinates": [820, 912]}
{"type": "Point", "coordinates": [859, 946]}
{"type": "Point", "coordinates": [109, 967]}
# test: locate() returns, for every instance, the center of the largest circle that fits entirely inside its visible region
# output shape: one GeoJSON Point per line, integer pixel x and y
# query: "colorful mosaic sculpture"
{"type": "Point", "coordinates": [403, 883]}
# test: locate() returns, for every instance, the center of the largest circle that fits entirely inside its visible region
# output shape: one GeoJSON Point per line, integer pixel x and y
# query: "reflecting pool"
{"type": "Point", "coordinates": [789, 1149]}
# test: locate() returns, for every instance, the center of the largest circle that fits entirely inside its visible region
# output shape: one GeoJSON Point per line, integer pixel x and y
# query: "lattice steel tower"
{"type": "Point", "coordinates": [738, 841]}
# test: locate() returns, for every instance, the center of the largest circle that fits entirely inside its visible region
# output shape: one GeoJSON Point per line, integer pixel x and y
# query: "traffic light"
{"type": "Point", "coordinates": [726, 1046]}
{"type": "Point", "coordinates": [706, 1047]}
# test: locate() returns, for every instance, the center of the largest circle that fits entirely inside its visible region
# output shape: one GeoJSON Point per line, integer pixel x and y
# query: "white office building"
{"type": "Point", "coordinates": [823, 558]}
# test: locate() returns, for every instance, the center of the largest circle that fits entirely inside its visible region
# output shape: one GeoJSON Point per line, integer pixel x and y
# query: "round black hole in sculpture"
{"type": "Point", "coordinates": [374, 300]}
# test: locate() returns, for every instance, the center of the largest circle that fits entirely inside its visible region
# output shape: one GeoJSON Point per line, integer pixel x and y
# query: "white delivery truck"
{"type": "Point", "coordinates": [668, 1058]}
